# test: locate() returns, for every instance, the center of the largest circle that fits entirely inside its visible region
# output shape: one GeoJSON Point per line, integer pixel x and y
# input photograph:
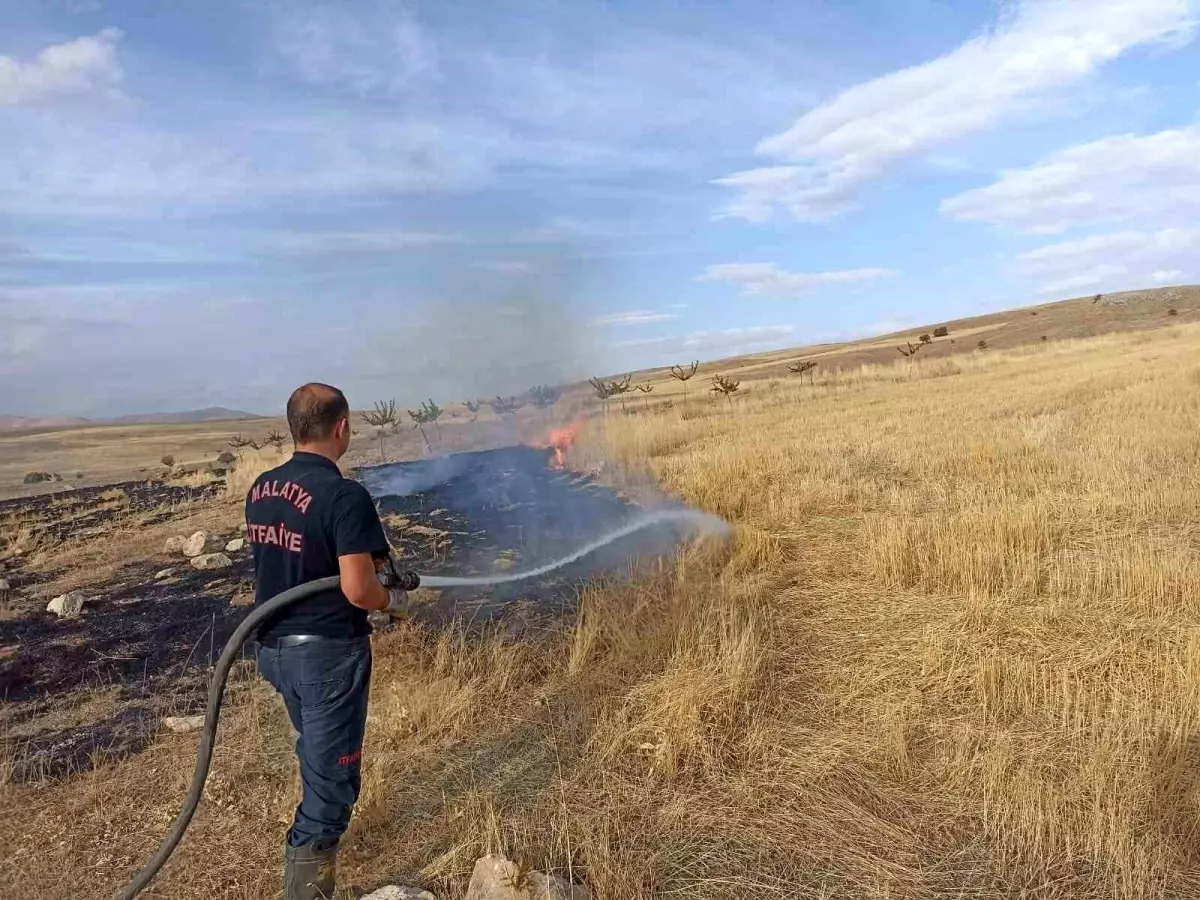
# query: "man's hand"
{"type": "Point", "coordinates": [360, 583]}
{"type": "Point", "coordinates": [397, 584]}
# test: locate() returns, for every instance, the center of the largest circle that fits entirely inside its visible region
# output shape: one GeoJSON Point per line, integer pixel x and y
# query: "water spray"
{"type": "Point", "coordinates": [249, 625]}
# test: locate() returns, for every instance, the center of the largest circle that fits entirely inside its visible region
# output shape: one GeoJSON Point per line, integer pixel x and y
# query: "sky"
{"type": "Point", "coordinates": [210, 203]}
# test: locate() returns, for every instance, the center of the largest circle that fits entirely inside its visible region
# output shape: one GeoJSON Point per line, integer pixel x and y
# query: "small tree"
{"type": "Point", "coordinates": [428, 414]}
{"type": "Point", "coordinates": [168, 460]}
{"type": "Point", "coordinates": [240, 442]}
{"type": "Point", "coordinates": [544, 396]}
{"type": "Point", "coordinates": [506, 406]}
{"type": "Point", "coordinates": [683, 376]}
{"type": "Point", "coordinates": [226, 458]}
{"type": "Point", "coordinates": [925, 339]}
{"type": "Point", "coordinates": [801, 366]}
{"type": "Point", "coordinates": [1172, 311]}
{"type": "Point", "coordinates": [605, 390]}
{"type": "Point", "coordinates": [982, 345]}
{"type": "Point", "coordinates": [381, 418]}
{"type": "Point", "coordinates": [276, 438]}
{"type": "Point", "coordinates": [941, 331]}
{"type": "Point", "coordinates": [473, 407]}
{"type": "Point", "coordinates": [910, 351]}
{"type": "Point", "coordinates": [725, 386]}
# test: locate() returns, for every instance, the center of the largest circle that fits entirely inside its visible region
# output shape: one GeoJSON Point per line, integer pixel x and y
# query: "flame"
{"type": "Point", "coordinates": [559, 440]}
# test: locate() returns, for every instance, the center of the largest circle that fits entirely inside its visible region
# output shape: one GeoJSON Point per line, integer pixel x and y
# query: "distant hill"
{"type": "Point", "coordinates": [58, 423]}
{"type": "Point", "coordinates": [208, 414]}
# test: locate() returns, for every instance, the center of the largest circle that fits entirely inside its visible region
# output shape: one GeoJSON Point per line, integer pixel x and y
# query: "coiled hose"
{"type": "Point", "coordinates": [208, 735]}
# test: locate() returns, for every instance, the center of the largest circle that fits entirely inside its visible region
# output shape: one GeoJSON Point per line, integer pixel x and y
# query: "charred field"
{"type": "Point", "coordinates": [81, 690]}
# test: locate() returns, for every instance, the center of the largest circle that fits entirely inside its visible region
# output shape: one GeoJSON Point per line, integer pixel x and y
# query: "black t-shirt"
{"type": "Point", "coordinates": [300, 517]}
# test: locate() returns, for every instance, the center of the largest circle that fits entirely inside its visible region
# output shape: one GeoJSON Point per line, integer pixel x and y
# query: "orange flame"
{"type": "Point", "coordinates": [559, 440]}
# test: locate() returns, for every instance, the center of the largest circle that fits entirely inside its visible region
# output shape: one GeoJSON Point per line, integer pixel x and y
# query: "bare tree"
{"type": "Point", "coordinates": [800, 366]}
{"type": "Point", "coordinates": [606, 390]}
{"type": "Point", "coordinates": [725, 386]}
{"type": "Point", "coordinates": [543, 396]}
{"type": "Point", "coordinates": [473, 407]}
{"type": "Point", "coordinates": [910, 351]}
{"type": "Point", "coordinates": [240, 442]}
{"type": "Point", "coordinates": [506, 406]}
{"type": "Point", "coordinates": [276, 438]}
{"type": "Point", "coordinates": [382, 417]}
{"type": "Point", "coordinates": [683, 376]}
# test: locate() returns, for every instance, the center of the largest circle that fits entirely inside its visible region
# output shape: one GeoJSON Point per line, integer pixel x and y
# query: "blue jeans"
{"type": "Point", "coordinates": [325, 685]}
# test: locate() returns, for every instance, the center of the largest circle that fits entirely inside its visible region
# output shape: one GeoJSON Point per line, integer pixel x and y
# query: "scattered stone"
{"type": "Point", "coordinates": [242, 598]}
{"type": "Point", "coordinates": [399, 892]}
{"type": "Point", "coordinates": [235, 545]}
{"type": "Point", "coordinates": [212, 561]}
{"type": "Point", "coordinates": [163, 573]}
{"type": "Point", "coordinates": [174, 544]}
{"type": "Point", "coordinates": [183, 724]}
{"type": "Point", "coordinates": [194, 545]}
{"type": "Point", "coordinates": [497, 878]}
{"type": "Point", "coordinates": [66, 606]}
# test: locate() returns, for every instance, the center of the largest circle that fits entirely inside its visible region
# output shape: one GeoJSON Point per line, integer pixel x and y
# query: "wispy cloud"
{"type": "Point", "coordinates": [1153, 176]}
{"type": "Point", "coordinates": [634, 317]}
{"type": "Point", "coordinates": [506, 266]}
{"type": "Point", "coordinates": [86, 65]}
{"type": "Point", "coordinates": [768, 280]}
{"type": "Point", "coordinates": [1125, 259]}
{"type": "Point", "coordinates": [1043, 47]}
{"type": "Point", "coordinates": [356, 241]}
{"type": "Point", "coordinates": [722, 341]}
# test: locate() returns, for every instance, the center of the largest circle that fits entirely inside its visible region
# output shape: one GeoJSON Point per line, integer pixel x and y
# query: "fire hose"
{"type": "Point", "coordinates": [408, 581]}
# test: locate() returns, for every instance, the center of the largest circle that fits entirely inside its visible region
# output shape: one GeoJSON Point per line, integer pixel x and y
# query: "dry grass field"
{"type": "Point", "coordinates": [952, 651]}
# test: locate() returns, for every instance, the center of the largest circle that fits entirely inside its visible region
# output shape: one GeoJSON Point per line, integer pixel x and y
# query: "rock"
{"type": "Point", "coordinates": [242, 598]}
{"type": "Point", "coordinates": [173, 544]}
{"type": "Point", "coordinates": [163, 573]}
{"type": "Point", "coordinates": [194, 545]}
{"type": "Point", "coordinates": [496, 878]}
{"type": "Point", "coordinates": [66, 606]}
{"type": "Point", "coordinates": [5, 590]}
{"type": "Point", "coordinates": [242, 528]}
{"type": "Point", "coordinates": [398, 892]}
{"type": "Point", "coordinates": [235, 545]}
{"type": "Point", "coordinates": [212, 561]}
{"type": "Point", "coordinates": [183, 724]}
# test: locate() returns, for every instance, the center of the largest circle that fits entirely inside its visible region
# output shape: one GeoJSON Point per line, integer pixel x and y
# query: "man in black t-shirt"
{"type": "Point", "coordinates": [304, 521]}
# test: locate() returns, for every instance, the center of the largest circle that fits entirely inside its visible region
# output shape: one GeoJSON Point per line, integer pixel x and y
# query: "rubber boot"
{"type": "Point", "coordinates": [309, 872]}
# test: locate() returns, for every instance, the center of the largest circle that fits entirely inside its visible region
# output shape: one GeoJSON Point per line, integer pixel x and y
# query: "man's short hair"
{"type": "Point", "coordinates": [313, 410]}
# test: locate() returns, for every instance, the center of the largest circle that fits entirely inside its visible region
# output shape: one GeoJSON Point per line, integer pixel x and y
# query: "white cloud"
{"type": "Point", "coordinates": [1121, 260]}
{"type": "Point", "coordinates": [726, 341]}
{"type": "Point", "coordinates": [1043, 47]}
{"type": "Point", "coordinates": [1152, 176]}
{"type": "Point", "coordinates": [506, 266]}
{"type": "Point", "coordinates": [372, 48]}
{"type": "Point", "coordinates": [357, 241]}
{"type": "Point", "coordinates": [1166, 276]}
{"type": "Point", "coordinates": [86, 65]}
{"type": "Point", "coordinates": [768, 280]}
{"type": "Point", "coordinates": [634, 317]}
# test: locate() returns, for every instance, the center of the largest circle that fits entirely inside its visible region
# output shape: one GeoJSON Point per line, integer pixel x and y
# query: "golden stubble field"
{"type": "Point", "coordinates": [953, 650]}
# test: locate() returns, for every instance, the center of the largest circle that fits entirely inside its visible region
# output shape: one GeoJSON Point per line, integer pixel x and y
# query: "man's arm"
{"type": "Point", "coordinates": [360, 583]}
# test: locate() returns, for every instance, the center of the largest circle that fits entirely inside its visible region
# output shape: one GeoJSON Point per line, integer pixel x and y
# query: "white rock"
{"type": "Point", "coordinates": [242, 528]}
{"type": "Point", "coordinates": [163, 573]}
{"type": "Point", "coordinates": [194, 545]}
{"type": "Point", "coordinates": [399, 892]}
{"type": "Point", "coordinates": [212, 561]}
{"type": "Point", "coordinates": [173, 544]}
{"type": "Point", "coordinates": [66, 606]}
{"type": "Point", "coordinates": [235, 545]}
{"type": "Point", "coordinates": [183, 724]}
{"type": "Point", "coordinates": [495, 878]}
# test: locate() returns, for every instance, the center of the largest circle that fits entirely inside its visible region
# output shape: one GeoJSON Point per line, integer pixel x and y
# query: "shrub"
{"type": "Point", "coordinates": [925, 339]}
{"type": "Point", "coordinates": [1172, 311]}
{"type": "Point", "coordinates": [1044, 338]}
{"type": "Point", "coordinates": [941, 331]}
{"type": "Point", "coordinates": [226, 458]}
{"type": "Point", "coordinates": [37, 477]}
{"type": "Point", "coordinates": [982, 345]}
{"type": "Point", "coordinates": [168, 460]}
{"type": "Point", "coordinates": [1034, 313]}
{"type": "Point", "coordinates": [78, 476]}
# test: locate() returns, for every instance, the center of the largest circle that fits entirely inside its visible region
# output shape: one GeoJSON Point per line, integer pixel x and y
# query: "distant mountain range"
{"type": "Point", "coordinates": [57, 423]}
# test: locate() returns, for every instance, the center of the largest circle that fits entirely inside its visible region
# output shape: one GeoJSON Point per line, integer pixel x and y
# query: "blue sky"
{"type": "Point", "coordinates": [209, 203]}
